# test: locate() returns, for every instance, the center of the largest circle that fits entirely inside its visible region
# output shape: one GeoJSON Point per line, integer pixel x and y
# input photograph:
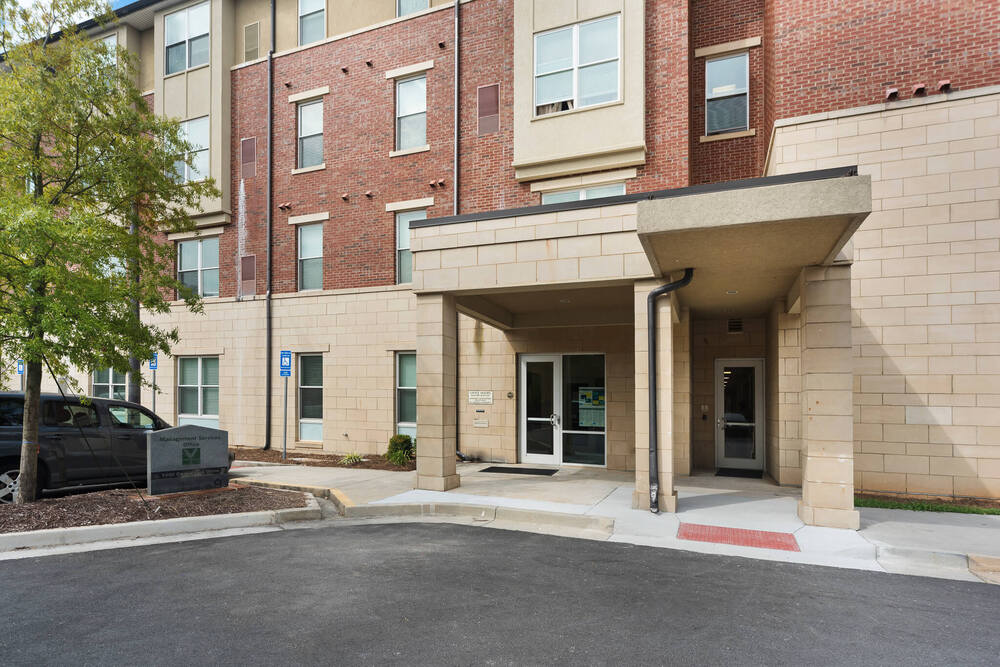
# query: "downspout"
{"type": "Point", "coordinates": [268, 354]}
{"type": "Point", "coordinates": [654, 440]}
{"type": "Point", "coordinates": [454, 174]}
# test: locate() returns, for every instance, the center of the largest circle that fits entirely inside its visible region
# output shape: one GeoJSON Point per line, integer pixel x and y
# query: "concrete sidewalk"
{"type": "Point", "coordinates": [717, 508]}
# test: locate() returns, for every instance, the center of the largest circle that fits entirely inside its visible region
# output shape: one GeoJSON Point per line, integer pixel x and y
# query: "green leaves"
{"type": "Point", "coordinates": [87, 196]}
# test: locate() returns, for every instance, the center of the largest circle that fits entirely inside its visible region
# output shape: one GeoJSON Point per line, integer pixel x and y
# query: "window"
{"type": "Point", "coordinates": [195, 132]}
{"type": "Point", "coordinates": [311, 397]}
{"type": "Point", "coordinates": [248, 157]}
{"type": "Point", "coordinates": [60, 413]}
{"type": "Point", "coordinates": [310, 134]}
{"type": "Point", "coordinates": [108, 383]}
{"type": "Point", "coordinates": [11, 412]}
{"type": "Point", "coordinates": [251, 41]}
{"type": "Point", "coordinates": [310, 257]}
{"type": "Point", "coordinates": [404, 258]}
{"type": "Point", "coordinates": [577, 66]}
{"type": "Point", "coordinates": [404, 7]}
{"type": "Point", "coordinates": [185, 34]}
{"type": "Point", "coordinates": [198, 266]}
{"type": "Point", "coordinates": [406, 394]}
{"type": "Point", "coordinates": [312, 21]}
{"type": "Point", "coordinates": [198, 391]}
{"type": "Point", "coordinates": [726, 94]}
{"type": "Point", "coordinates": [595, 192]}
{"type": "Point", "coordinates": [110, 44]}
{"type": "Point", "coordinates": [411, 113]}
{"type": "Point", "coordinates": [125, 416]}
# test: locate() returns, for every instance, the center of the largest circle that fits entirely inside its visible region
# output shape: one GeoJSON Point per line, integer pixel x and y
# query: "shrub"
{"type": "Point", "coordinates": [351, 459]}
{"type": "Point", "coordinates": [401, 450]}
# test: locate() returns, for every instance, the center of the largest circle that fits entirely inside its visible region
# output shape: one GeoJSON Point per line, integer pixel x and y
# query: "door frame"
{"type": "Point", "coordinates": [760, 432]}
{"type": "Point", "coordinates": [556, 458]}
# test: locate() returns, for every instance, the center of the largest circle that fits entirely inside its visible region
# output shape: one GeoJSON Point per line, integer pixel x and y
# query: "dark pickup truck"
{"type": "Point", "coordinates": [101, 443]}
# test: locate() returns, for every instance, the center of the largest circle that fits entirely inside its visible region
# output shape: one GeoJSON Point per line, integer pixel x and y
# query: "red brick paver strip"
{"type": "Point", "coordinates": [762, 539]}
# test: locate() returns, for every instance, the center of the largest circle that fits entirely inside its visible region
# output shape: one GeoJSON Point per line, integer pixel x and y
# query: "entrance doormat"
{"type": "Point", "coordinates": [739, 472]}
{"type": "Point", "coordinates": [521, 471]}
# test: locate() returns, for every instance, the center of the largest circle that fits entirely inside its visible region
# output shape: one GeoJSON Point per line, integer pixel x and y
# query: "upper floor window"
{"type": "Point", "coordinates": [411, 112]}
{"type": "Point", "coordinates": [312, 21]}
{"type": "Point", "coordinates": [310, 134]}
{"type": "Point", "coordinates": [404, 7]}
{"type": "Point", "coordinates": [310, 257]}
{"type": "Point", "coordinates": [108, 383]}
{"type": "Point", "coordinates": [596, 192]}
{"type": "Point", "coordinates": [726, 94]}
{"type": "Point", "coordinates": [185, 35]}
{"type": "Point", "coordinates": [198, 265]}
{"type": "Point", "coordinates": [196, 133]}
{"type": "Point", "coordinates": [404, 258]}
{"type": "Point", "coordinates": [577, 66]}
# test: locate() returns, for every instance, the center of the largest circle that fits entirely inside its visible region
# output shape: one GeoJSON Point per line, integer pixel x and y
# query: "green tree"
{"type": "Point", "coordinates": [88, 187]}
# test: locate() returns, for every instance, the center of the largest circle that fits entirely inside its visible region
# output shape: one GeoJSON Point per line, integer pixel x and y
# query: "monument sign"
{"type": "Point", "coordinates": [187, 458]}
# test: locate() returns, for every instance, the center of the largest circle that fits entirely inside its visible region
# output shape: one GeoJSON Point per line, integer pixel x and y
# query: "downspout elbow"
{"type": "Point", "coordinates": [651, 328]}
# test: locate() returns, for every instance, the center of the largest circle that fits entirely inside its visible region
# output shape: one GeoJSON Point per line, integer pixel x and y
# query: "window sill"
{"type": "Point", "coordinates": [593, 107]}
{"type": "Point", "coordinates": [410, 151]}
{"type": "Point", "coordinates": [728, 135]}
{"type": "Point", "coordinates": [186, 71]}
{"type": "Point", "coordinates": [305, 170]}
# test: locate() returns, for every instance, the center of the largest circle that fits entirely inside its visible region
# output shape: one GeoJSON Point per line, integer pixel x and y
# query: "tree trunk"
{"type": "Point", "coordinates": [28, 478]}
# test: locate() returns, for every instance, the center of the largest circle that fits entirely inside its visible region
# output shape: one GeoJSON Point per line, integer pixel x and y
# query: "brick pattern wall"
{"type": "Point", "coordinates": [926, 289]}
{"type": "Point", "coordinates": [717, 23]}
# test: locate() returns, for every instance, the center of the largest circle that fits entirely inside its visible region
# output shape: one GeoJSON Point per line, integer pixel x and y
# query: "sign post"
{"type": "Point", "coordinates": [285, 366]}
{"type": "Point", "coordinates": [20, 372]}
{"type": "Point", "coordinates": [153, 363]}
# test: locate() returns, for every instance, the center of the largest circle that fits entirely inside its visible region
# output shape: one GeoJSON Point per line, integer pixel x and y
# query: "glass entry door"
{"type": "Point", "coordinates": [562, 409]}
{"type": "Point", "coordinates": [739, 413]}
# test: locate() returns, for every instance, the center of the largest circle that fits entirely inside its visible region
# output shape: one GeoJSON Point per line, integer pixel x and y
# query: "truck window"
{"type": "Point", "coordinates": [58, 413]}
{"type": "Point", "coordinates": [11, 412]}
{"type": "Point", "coordinates": [123, 416]}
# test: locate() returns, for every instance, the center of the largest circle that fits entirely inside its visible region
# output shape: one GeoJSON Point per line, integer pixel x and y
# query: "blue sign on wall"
{"type": "Point", "coordinates": [20, 367]}
{"type": "Point", "coordinates": [285, 363]}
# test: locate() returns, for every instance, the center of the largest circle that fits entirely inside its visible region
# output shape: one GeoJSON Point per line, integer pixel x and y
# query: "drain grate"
{"type": "Point", "coordinates": [521, 471]}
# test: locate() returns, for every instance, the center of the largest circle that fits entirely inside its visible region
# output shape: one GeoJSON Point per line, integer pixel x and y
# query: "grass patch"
{"type": "Point", "coordinates": [922, 506]}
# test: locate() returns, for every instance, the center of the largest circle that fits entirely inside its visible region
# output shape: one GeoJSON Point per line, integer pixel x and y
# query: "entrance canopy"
{"type": "Point", "coordinates": [749, 242]}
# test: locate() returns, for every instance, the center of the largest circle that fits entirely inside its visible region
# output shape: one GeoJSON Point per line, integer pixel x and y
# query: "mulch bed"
{"type": "Point", "coordinates": [955, 502]}
{"type": "Point", "coordinates": [125, 505]}
{"type": "Point", "coordinates": [371, 462]}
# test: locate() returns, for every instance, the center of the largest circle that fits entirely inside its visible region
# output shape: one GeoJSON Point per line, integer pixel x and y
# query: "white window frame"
{"type": "Point", "coordinates": [409, 425]}
{"type": "Point", "coordinates": [300, 257]}
{"type": "Point", "coordinates": [189, 175]}
{"type": "Point", "coordinates": [201, 267]}
{"type": "Point", "coordinates": [310, 420]}
{"type": "Point", "coordinates": [109, 385]}
{"type": "Point", "coordinates": [575, 67]}
{"type": "Point", "coordinates": [188, 38]}
{"type": "Point", "coordinates": [300, 137]}
{"type": "Point", "coordinates": [400, 248]}
{"type": "Point", "coordinates": [745, 92]}
{"type": "Point", "coordinates": [582, 192]}
{"type": "Point", "coordinates": [399, 9]}
{"type": "Point", "coordinates": [302, 16]}
{"type": "Point", "coordinates": [201, 387]}
{"type": "Point", "coordinates": [399, 82]}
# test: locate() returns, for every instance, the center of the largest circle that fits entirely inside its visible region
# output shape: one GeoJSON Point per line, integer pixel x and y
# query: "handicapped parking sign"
{"type": "Point", "coordinates": [20, 366]}
{"type": "Point", "coordinates": [285, 363]}
{"type": "Point", "coordinates": [153, 362]}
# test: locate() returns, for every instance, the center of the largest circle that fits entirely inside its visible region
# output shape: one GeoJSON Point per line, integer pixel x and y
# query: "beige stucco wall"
{"type": "Point", "coordinates": [604, 136]}
{"type": "Point", "coordinates": [926, 286]}
{"type": "Point", "coordinates": [710, 341]}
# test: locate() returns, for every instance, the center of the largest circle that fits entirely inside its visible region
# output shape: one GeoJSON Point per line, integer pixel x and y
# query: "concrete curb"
{"type": "Point", "coordinates": [335, 496]}
{"type": "Point", "coordinates": [257, 464]}
{"type": "Point", "coordinates": [986, 568]}
{"type": "Point", "coordinates": [497, 516]}
{"type": "Point", "coordinates": [55, 537]}
{"type": "Point", "coordinates": [907, 558]}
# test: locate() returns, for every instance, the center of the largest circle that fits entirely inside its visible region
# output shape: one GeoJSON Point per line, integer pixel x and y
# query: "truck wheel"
{"type": "Point", "coordinates": [8, 484]}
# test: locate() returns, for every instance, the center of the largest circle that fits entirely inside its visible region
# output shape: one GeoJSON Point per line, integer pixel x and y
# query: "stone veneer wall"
{"type": "Point", "coordinates": [925, 283]}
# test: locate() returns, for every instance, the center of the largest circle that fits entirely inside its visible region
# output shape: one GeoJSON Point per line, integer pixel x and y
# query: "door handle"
{"type": "Point", "coordinates": [554, 420]}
